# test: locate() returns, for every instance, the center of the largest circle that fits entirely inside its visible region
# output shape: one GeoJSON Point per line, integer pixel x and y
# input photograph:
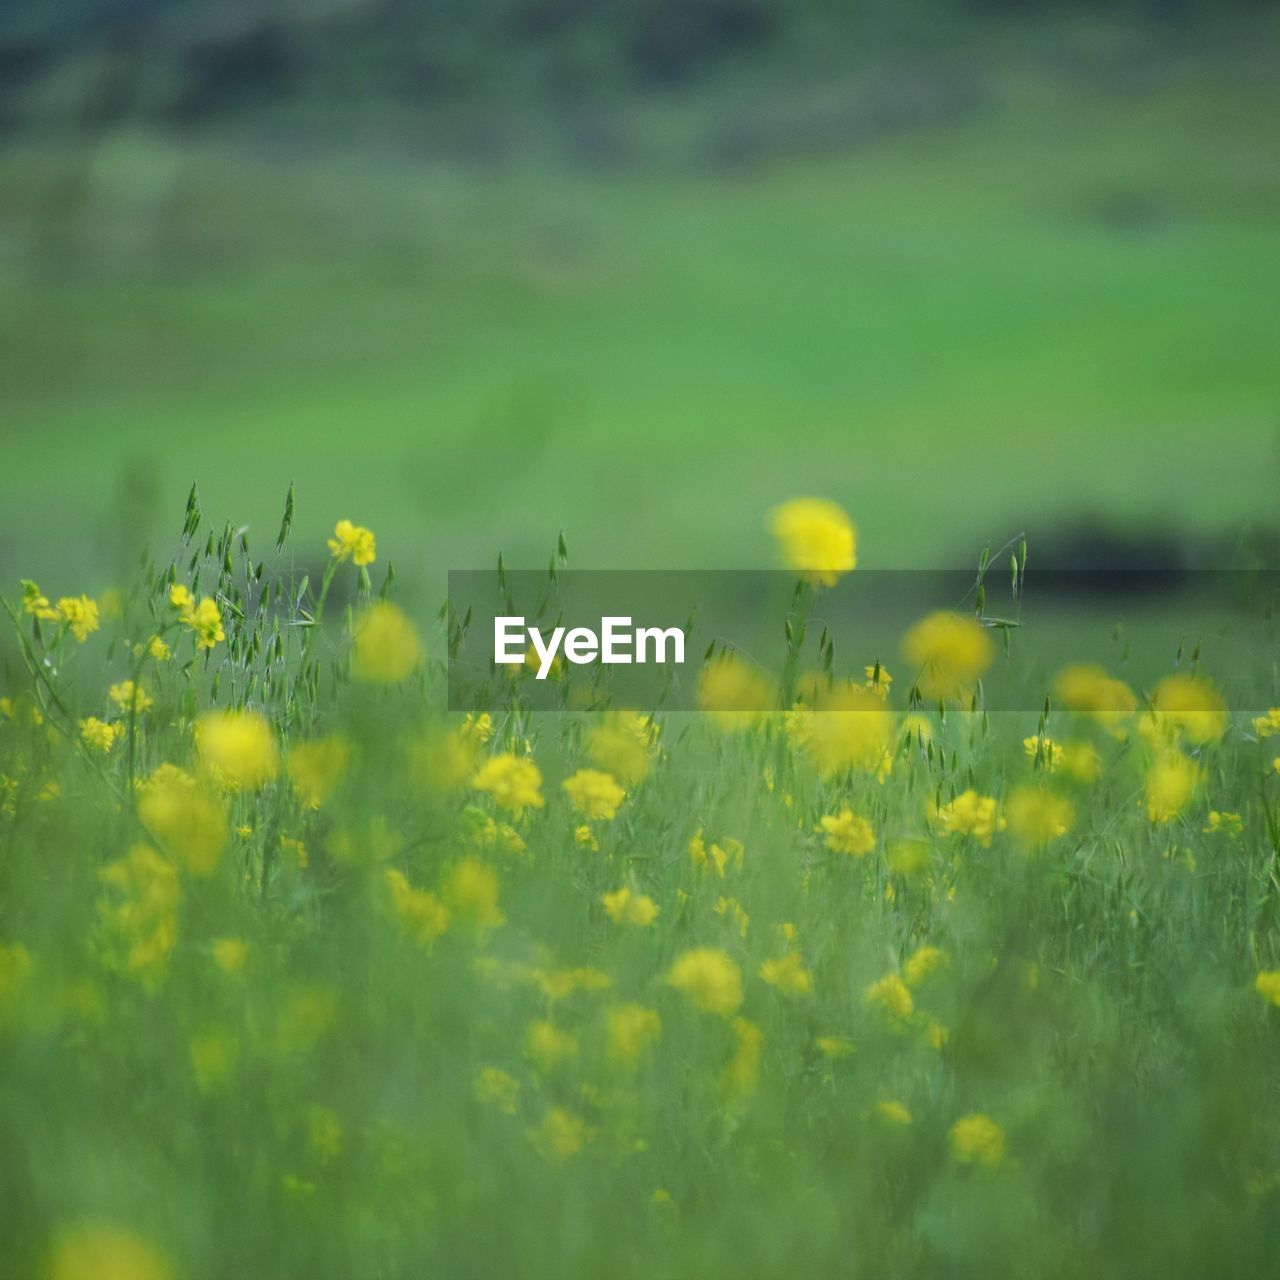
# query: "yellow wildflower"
{"type": "Point", "coordinates": [1081, 761]}
{"type": "Point", "coordinates": [731, 909]}
{"type": "Point", "coordinates": [1036, 815]}
{"type": "Point", "coordinates": [846, 832]}
{"type": "Point", "coordinates": [1043, 751]}
{"type": "Point", "coordinates": [594, 794]}
{"type": "Point", "coordinates": [422, 914]}
{"type": "Point", "coordinates": [892, 997]}
{"type": "Point", "coordinates": [353, 542]}
{"type": "Point", "coordinates": [315, 768]}
{"type": "Point", "coordinates": [98, 1251]}
{"type": "Point", "coordinates": [1171, 781]}
{"type": "Point", "coordinates": [733, 694]}
{"type": "Point", "coordinates": [561, 1134]}
{"type": "Point", "coordinates": [158, 649]}
{"type": "Point", "coordinates": [834, 1047]}
{"type": "Point", "coordinates": [36, 603]}
{"type": "Point", "coordinates": [385, 646]}
{"type": "Point", "coordinates": [80, 614]}
{"type": "Point", "coordinates": [817, 538]}
{"type": "Point", "coordinates": [949, 653]}
{"type": "Point", "coordinates": [622, 744]}
{"type": "Point", "coordinates": [788, 974]}
{"type": "Point", "coordinates": [623, 906]}
{"type": "Point", "coordinates": [878, 680]}
{"type": "Point", "coordinates": [514, 783]}
{"type": "Point", "coordinates": [922, 963]}
{"type": "Point", "coordinates": [630, 1030]}
{"type": "Point", "coordinates": [970, 814]}
{"type": "Point", "coordinates": [894, 1112]}
{"type": "Point", "coordinates": [184, 818]}
{"type": "Point", "coordinates": [1267, 985]}
{"type": "Point", "coordinates": [237, 747]}
{"type": "Point", "coordinates": [130, 696]}
{"type": "Point", "coordinates": [547, 1045]}
{"type": "Point", "coordinates": [977, 1139]}
{"type": "Point", "coordinates": [139, 920]}
{"type": "Point", "coordinates": [1184, 706]}
{"type": "Point", "coordinates": [1088, 690]}
{"type": "Point", "coordinates": [1229, 824]}
{"type": "Point", "coordinates": [229, 954]}
{"type": "Point", "coordinates": [101, 735]}
{"type": "Point", "coordinates": [709, 979]}
{"type": "Point", "coordinates": [849, 728]}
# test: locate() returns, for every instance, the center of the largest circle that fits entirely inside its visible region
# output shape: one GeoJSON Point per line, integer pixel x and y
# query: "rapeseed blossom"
{"type": "Point", "coordinates": [353, 542]}
{"type": "Point", "coordinates": [977, 1139]}
{"type": "Point", "coordinates": [949, 653]}
{"type": "Point", "coordinates": [817, 539]}
{"type": "Point", "coordinates": [593, 794]}
{"type": "Point", "coordinates": [514, 782]}
{"type": "Point", "coordinates": [237, 747]}
{"type": "Point", "coordinates": [970, 814]}
{"type": "Point", "coordinates": [624, 906]}
{"type": "Point", "coordinates": [709, 979]}
{"type": "Point", "coordinates": [385, 647]}
{"type": "Point", "coordinates": [846, 832]}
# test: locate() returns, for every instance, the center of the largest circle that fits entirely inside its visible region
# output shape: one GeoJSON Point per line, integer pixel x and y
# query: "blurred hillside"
{"type": "Point", "coordinates": [967, 269]}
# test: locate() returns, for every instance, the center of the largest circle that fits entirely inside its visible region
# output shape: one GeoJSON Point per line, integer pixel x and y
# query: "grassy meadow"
{"type": "Point", "coordinates": [301, 976]}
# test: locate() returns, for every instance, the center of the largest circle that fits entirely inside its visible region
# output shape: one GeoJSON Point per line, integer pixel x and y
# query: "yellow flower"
{"type": "Point", "coordinates": [834, 1047]}
{"type": "Point", "coordinates": [594, 794]}
{"type": "Point", "coordinates": [98, 1251]}
{"type": "Point", "coordinates": [949, 652]}
{"type": "Point", "coordinates": [622, 906]}
{"type": "Point", "coordinates": [788, 974]}
{"type": "Point", "coordinates": [731, 909]}
{"type": "Point", "coordinates": [848, 833]}
{"type": "Point", "coordinates": [733, 694]}
{"type": "Point", "coordinates": [1171, 781]}
{"type": "Point", "coordinates": [237, 747]}
{"type": "Point", "coordinates": [1036, 815]}
{"type": "Point", "coordinates": [630, 1030]}
{"type": "Point", "coordinates": [213, 1055]}
{"type": "Point", "coordinates": [556, 984]}
{"type": "Point", "coordinates": [1227, 823]}
{"type": "Point", "coordinates": [1267, 985]}
{"type": "Point", "coordinates": [922, 963]}
{"type": "Point", "coordinates": [36, 603]}
{"type": "Point", "coordinates": [315, 768]}
{"type": "Point", "coordinates": [894, 1112]}
{"type": "Point", "coordinates": [708, 979]}
{"type": "Point", "coordinates": [139, 920]}
{"type": "Point", "coordinates": [203, 619]}
{"type": "Point", "coordinates": [158, 649]}
{"type": "Point", "coordinates": [561, 1134]}
{"type": "Point", "coordinates": [1088, 690]}
{"type": "Point", "coordinates": [80, 614]}
{"type": "Point", "coordinates": [584, 836]}
{"type": "Point", "coordinates": [385, 647]}
{"type": "Point", "coordinates": [15, 964]}
{"type": "Point", "coordinates": [817, 538]}
{"type": "Point", "coordinates": [353, 542]}
{"type": "Point", "coordinates": [472, 891]}
{"type": "Point", "coordinates": [184, 818]}
{"type": "Point", "coordinates": [743, 1070]}
{"type": "Point", "coordinates": [494, 1086]}
{"type": "Point", "coordinates": [229, 954]}
{"type": "Point", "coordinates": [1081, 761]}
{"type": "Point", "coordinates": [513, 782]}
{"type": "Point", "coordinates": [892, 997]}
{"type": "Point", "coordinates": [717, 858]}
{"type": "Point", "coordinates": [100, 735]}
{"type": "Point", "coordinates": [130, 696]}
{"type": "Point", "coordinates": [972, 815]}
{"type": "Point", "coordinates": [1043, 751]}
{"type": "Point", "coordinates": [622, 744]}
{"type": "Point", "coordinates": [422, 914]}
{"type": "Point", "coordinates": [1184, 706]}
{"type": "Point", "coordinates": [878, 680]}
{"type": "Point", "coordinates": [849, 728]}
{"type": "Point", "coordinates": [547, 1045]}
{"type": "Point", "coordinates": [977, 1139]}
{"type": "Point", "coordinates": [1268, 725]}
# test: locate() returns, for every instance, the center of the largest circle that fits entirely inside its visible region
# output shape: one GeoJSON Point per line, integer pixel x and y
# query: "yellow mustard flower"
{"type": "Point", "coordinates": [949, 652]}
{"type": "Point", "coordinates": [631, 1029]}
{"type": "Point", "coordinates": [138, 918]}
{"type": "Point", "coordinates": [514, 782]}
{"type": "Point", "coordinates": [497, 1088]}
{"type": "Point", "coordinates": [36, 603]}
{"type": "Point", "coordinates": [848, 728]}
{"type": "Point", "coordinates": [1036, 815]}
{"type": "Point", "coordinates": [237, 747]}
{"type": "Point", "coordinates": [471, 890]}
{"type": "Point", "coordinates": [1267, 985]}
{"type": "Point", "coordinates": [846, 832]}
{"type": "Point", "coordinates": [970, 814]}
{"type": "Point", "coordinates": [422, 914]}
{"type": "Point", "coordinates": [923, 963]}
{"type": "Point", "coordinates": [817, 539]}
{"type": "Point", "coordinates": [733, 694]}
{"type": "Point", "coordinates": [1171, 782]}
{"type": "Point", "coordinates": [317, 767]}
{"type": "Point", "coordinates": [1089, 690]}
{"type": "Point", "coordinates": [892, 997]}
{"type": "Point", "coordinates": [594, 794]}
{"type": "Point", "coordinates": [183, 818]}
{"type": "Point", "coordinates": [547, 1045]}
{"type": "Point", "coordinates": [385, 645]}
{"type": "Point", "coordinates": [743, 1070]}
{"type": "Point", "coordinates": [709, 979]}
{"type": "Point", "coordinates": [788, 973]}
{"type": "Point", "coordinates": [129, 696]}
{"type": "Point", "coordinates": [561, 1134]}
{"type": "Point", "coordinates": [230, 954]}
{"type": "Point", "coordinates": [101, 1251]}
{"type": "Point", "coordinates": [80, 614]}
{"type": "Point", "coordinates": [624, 906]}
{"type": "Point", "coordinates": [101, 735]}
{"type": "Point", "coordinates": [893, 1112]}
{"type": "Point", "coordinates": [353, 542]}
{"type": "Point", "coordinates": [977, 1139]}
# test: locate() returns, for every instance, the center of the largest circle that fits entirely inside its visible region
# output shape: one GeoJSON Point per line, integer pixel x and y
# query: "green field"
{"type": "Point", "coordinates": [1055, 300]}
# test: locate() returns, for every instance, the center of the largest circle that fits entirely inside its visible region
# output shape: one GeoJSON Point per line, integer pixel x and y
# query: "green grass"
{"type": "Point", "coordinates": [954, 330]}
{"type": "Point", "coordinates": [220, 1058]}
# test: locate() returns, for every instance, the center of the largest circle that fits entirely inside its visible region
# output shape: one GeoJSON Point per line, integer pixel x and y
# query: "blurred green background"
{"type": "Point", "coordinates": [472, 274]}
